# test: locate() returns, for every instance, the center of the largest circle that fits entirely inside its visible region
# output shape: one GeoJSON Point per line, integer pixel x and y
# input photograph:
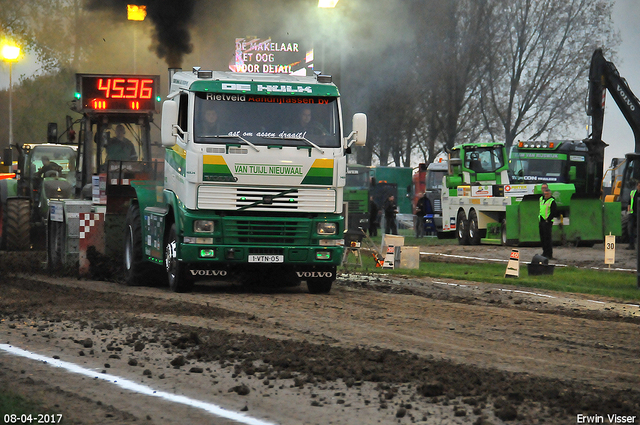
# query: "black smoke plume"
{"type": "Point", "coordinates": [171, 20]}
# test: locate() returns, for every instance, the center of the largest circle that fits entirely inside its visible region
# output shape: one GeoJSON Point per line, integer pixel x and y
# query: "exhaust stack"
{"type": "Point", "coordinates": [172, 71]}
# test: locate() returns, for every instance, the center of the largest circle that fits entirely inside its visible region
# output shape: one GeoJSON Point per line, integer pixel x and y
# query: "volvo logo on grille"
{"type": "Point", "coordinates": [267, 200]}
{"type": "Point", "coordinates": [208, 272]}
{"type": "Point", "coordinates": [314, 274]}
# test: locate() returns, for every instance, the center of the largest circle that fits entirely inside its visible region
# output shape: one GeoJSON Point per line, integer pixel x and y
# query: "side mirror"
{"type": "Point", "coordinates": [572, 173]}
{"type": "Point", "coordinates": [360, 129]}
{"type": "Point", "coordinates": [7, 159]}
{"type": "Point", "coordinates": [169, 120]}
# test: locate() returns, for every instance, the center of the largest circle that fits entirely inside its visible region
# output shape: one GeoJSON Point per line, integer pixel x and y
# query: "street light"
{"type": "Point", "coordinates": [10, 53]}
{"type": "Point", "coordinates": [327, 3]}
{"type": "Point", "coordinates": [135, 13]}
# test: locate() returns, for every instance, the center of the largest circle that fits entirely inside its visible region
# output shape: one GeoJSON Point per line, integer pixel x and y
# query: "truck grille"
{"type": "Point", "coordinates": [437, 207]}
{"type": "Point", "coordinates": [266, 199]}
{"type": "Point", "coordinates": [269, 232]}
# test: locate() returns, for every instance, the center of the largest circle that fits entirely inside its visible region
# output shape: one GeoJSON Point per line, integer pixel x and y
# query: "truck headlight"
{"type": "Point", "coordinates": [327, 228]}
{"type": "Point", "coordinates": [203, 226]}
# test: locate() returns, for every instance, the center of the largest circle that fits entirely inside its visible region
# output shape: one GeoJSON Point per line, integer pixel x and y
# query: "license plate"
{"type": "Point", "coordinates": [266, 258]}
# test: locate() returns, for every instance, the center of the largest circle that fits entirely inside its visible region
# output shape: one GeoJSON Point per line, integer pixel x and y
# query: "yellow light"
{"type": "Point", "coordinates": [10, 53]}
{"type": "Point", "coordinates": [327, 3]}
{"type": "Point", "coordinates": [136, 13]}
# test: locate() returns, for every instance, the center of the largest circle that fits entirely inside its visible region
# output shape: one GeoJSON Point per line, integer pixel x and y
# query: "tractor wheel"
{"type": "Point", "coordinates": [176, 273]}
{"type": "Point", "coordinates": [137, 271]}
{"type": "Point", "coordinates": [16, 228]}
{"type": "Point", "coordinates": [462, 229]}
{"type": "Point", "coordinates": [474, 232]}
{"type": "Point", "coordinates": [3, 239]}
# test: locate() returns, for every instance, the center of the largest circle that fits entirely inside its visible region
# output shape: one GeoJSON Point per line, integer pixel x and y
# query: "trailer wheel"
{"type": "Point", "coordinates": [17, 228]}
{"type": "Point", "coordinates": [474, 232]}
{"type": "Point", "coordinates": [176, 273]}
{"type": "Point", "coordinates": [462, 229]}
{"type": "Point", "coordinates": [136, 270]}
{"type": "Point", "coordinates": [320, 285]}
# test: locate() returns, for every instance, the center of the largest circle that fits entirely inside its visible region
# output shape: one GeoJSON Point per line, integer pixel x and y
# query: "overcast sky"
{"type": "Point", "coordinates": [616, 130]}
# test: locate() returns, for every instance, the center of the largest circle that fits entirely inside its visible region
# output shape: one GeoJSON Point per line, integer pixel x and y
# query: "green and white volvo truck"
{"type": "Point", "coordinates": [255, 166]}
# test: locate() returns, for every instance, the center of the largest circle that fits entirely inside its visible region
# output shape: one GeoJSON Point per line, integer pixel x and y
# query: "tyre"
{"type": "Point", "coordinates": [16, 230]}
{"type": "Point", "coordinates": [320, 285]}
{"type": "Point", "coordinates": [474, 231]}
{"type": "Point", "coordinates": [462, 230]}
{"type": "Point", "coordinates": [176, 273]}
{"type": "Point", "coordinates": [503, 232]}
{"type": "Point", "coordinates": [55, 245]}
{"type": "Point", "coordinates": [3, 239]}
{"type": "Point", "coordinates": [624, 238]}
{"type": "Point", "coordinates": [137, 271]}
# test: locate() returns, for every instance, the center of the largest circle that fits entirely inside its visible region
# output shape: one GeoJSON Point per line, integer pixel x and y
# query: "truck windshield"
{"type": "Point", "coordinates": [434, 179]}
{"type": "Point", "coordinates": [533, 167]}
{"type": "Point", "coordinates": [267, 120]}
{"type": "Point", "coordinates": [483, 159]}
{"type": "Point", "coordinates": [357, 178]}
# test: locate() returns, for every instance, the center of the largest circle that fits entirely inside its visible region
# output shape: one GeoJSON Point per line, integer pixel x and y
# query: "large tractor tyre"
{"type": "Point", "coordinates": [462, 228]}
{"type": "Point", "coordinates": [624, 238]}
{"type": "Point", "coordinates": [176, 272]}
{"type": "Point", "coordinates": [137, 271]}
{"type": "Point", "coordinates": [3, 239]}
{"type": "Point", "coordinates": [474, 231]}
{"type": "Point", "coordinates": [320, 285]}
{"type": "Point", "coordinates": [16, 229]}
{"type": "Point", "coordinates": [55, 245]}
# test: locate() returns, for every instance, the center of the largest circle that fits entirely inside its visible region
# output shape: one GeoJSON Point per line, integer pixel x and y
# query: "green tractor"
{"type": "Point", "coordinates": [45, 171]}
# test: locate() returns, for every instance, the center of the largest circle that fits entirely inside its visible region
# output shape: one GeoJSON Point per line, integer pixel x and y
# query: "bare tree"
{"type": "Point", "coordinates": [534, 80]}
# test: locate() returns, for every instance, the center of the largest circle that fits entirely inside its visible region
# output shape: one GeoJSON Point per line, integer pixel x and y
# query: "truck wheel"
{"type": "Point", "coordinates": [462, 230]}
{"type": "Point", "coordinates": [474, 232]}
{"type": "Point", "coordinates": [503, 232]}
{"type": "Point", "coordinates": [321, 285]}
{"type": "Point", "coordinates": [17, 228]}
{"type": "Point", "coordinates": [176, 273]}
{"type": "Point", "coordinates": [136, 270]}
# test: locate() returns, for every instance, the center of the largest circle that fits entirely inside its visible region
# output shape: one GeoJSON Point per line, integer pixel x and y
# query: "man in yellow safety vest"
{"type": "Point", "coordinates": [633, 216]}
{"type": "Point", "coordinates": [547, 213]}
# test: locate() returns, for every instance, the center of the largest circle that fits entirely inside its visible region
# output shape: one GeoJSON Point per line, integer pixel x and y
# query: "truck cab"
{"type": "Point", "coordinates": [255, 169]}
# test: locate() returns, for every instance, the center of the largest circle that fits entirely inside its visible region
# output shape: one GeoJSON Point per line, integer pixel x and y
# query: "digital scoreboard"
{"type": "Point", "coordinates": [117, 93]}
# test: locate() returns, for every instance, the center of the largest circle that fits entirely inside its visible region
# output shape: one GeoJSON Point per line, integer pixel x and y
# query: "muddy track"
{"type": "Point", "coordinates": [373, 351]}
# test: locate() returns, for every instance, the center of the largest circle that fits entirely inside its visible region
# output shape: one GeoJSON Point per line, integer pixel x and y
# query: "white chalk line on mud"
{"type": "Point", "coordinates": [138, 388]}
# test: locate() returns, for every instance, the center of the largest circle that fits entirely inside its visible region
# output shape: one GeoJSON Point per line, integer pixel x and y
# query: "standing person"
{"type": "Point", "coordinates": [548, 211]}
{"type": "Point", "coordinates": [390, 211]}
{"type": "Point", "coordinates": [632, 209]}
{"type": "Point", "coordinates": [120, 148]}
{"type": "Point", "coordinates": [373, 217]}
{"type": "Point", "coordinates": [421, 211]}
